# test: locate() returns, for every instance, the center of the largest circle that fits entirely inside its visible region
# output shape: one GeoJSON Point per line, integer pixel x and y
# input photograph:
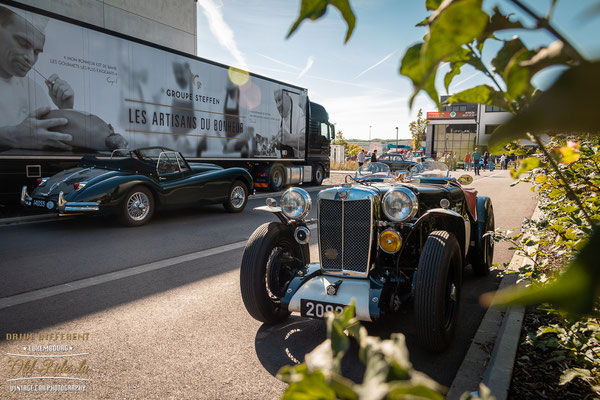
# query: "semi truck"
{"type": "Point", "coordinates": [73, 89]}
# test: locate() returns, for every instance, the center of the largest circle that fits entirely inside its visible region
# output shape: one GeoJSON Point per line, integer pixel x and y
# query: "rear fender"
{"type": "Point", "coordinates": [113, 190]}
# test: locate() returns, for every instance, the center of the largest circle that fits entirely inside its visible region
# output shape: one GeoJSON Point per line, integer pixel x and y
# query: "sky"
{"type": "Point", "coordinates": [359, 82]}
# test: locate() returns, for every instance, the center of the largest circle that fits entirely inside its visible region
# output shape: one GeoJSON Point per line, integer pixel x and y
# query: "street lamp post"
{"type": "Point", "coordinates": [396, 138]}
{"type": "Point", "coordinates": [369, 134]}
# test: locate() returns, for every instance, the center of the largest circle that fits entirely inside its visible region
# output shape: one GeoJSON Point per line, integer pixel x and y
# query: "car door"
{"type": "Point", "coordinates": [175, 177]}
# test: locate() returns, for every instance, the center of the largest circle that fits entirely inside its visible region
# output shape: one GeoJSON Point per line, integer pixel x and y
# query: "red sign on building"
{"type": "Point", "coordinates": [452, 115]}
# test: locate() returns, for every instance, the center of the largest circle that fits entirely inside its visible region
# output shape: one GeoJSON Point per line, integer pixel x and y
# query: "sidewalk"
{"type": "Point", "coordinates": [500, 328]}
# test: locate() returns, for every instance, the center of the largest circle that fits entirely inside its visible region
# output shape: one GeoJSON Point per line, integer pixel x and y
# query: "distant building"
{"type": "Point", "coordinates": [337, 153]}
{"type": "Point", "coordinates": [461, 127]}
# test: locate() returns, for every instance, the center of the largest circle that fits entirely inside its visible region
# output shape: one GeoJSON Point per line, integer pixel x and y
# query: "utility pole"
{"type": "Point", "coordinates": [369, 134]}
{"type": "Point", "coordinates": [396, 138]}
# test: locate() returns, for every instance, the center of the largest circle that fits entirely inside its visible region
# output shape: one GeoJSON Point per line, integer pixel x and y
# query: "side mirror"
{"type": "Point", "coordinates": [465, 179]}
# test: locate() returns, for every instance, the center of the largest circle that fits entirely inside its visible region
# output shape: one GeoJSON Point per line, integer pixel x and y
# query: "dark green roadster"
{"type": "Point", "coordinates": [134, 183]}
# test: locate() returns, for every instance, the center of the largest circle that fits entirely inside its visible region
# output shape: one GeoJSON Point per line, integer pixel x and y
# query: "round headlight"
{"type": "Point", "coordinates": [400, 204]}
{"type": "Point", "coordinates": [296, 203]}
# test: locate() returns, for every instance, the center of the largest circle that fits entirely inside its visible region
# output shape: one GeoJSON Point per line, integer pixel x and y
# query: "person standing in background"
{"type": "Point", "coordinates": [467, 161]}
{"type": "Point", "coordinates": [503, 161]}
{"type": "Point", "coordinates": [374, 156]}
{"type": "Point", "coordinates": [476, 158]}
{"type": "Point", "coordinates": [360, 158]}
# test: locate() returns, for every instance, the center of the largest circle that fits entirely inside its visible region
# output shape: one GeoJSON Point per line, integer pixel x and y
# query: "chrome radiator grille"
{"type": "Point", "coordinates": [345, 229]}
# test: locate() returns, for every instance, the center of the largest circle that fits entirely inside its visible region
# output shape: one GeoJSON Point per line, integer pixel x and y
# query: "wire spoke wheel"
{"type": "Point", "coordinates": [238, 197]}
{"type": "Point", "coordinates": [138, 206]}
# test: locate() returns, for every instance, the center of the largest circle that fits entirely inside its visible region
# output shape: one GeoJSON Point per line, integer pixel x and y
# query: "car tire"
{"type": "Point", "coordinates": [138, 207]}
{"type": "Point", "coordinates": [483, 256]}
{"type": "Point", "coordinates": [437, 290]}
{"type": "Point", "coordinates": [237, 197]}
{"type": "Point", "coordinates": [318, 175]}
{"type": "Point", "coordinates": [267, 268]}
{"type": "Point", "coordinates": [276, 178]}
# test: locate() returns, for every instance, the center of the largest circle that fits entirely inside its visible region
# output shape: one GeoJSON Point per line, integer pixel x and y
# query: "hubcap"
{"type": "Point", "coordinates": [277, 178]}
{"type": "Point", "coordinates": [238, 196]}
{"type": "Point", "coordinates": [138, 206]}
{"type": "Point", "coordinates": [452, 292]}
{"type": "Point", "coordinates": [319, 175]}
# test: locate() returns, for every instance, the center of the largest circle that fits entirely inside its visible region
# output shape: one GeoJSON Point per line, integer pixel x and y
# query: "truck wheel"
{"type": "Point", "coordinates": [269, 263]}
{"type": "Point", "coordinates": [138, 207]}
{"type": "Point", "coordinates": [237, 197]}
{"type": "Point", "coordinates": [318, 175]}
{"type": "Point", "coordinates": [437, 290]}
{"type": "Point", "coordinates": [276, 178]}
{"type": "Point", "coordinates": [483, 256]}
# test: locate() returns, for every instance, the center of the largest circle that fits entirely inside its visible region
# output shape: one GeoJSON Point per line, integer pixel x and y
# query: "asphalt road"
{"type": "Point", "coordinates": [162, 308]}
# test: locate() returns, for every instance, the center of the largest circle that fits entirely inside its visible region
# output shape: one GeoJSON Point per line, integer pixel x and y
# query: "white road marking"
{"type": "Point", "coordinates": [113, 276]}
{"type": "Point", "coordinates": [487, 177]}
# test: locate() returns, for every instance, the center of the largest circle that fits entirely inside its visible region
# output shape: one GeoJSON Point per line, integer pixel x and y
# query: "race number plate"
{"type": "Point", "coordinates": [39, 203]}
{"type": "Point", "coordinates": [317, 309]}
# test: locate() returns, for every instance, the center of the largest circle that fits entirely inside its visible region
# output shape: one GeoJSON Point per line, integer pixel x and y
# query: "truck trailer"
{"type": "Point", "coordinates": [72, 89]}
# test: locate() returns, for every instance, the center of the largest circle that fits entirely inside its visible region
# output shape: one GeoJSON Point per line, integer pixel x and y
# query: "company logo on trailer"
{"type": "Point", "coordinates": [193, 78]}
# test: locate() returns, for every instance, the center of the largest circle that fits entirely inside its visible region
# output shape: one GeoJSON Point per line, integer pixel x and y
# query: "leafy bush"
{"type": "Point", "coordinates": [558, 239]}
{"type": "Point", "coordinates": [388, 375]}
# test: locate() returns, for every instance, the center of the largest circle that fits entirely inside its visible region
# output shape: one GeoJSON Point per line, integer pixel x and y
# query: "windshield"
{"type": "Point", "coordinates": [373, 171]}
{"type": "Point", "coordinates": [430, 169]}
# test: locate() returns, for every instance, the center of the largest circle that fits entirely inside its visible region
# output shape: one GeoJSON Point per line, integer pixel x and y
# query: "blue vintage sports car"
{"type": "Point", "coordinates": [134, 183]}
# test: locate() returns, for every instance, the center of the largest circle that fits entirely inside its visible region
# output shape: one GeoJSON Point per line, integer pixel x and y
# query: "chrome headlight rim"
{"type": "Point", "coordinates": [306, 203]}
{"type": "Point", "coordinates": [414, 207]}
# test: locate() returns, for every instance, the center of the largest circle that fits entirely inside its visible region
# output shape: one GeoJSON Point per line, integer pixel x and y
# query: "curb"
{"type": "Point", "coordinates": [500, 328]}
{"type": "Point", "coordinates": [28, 218]}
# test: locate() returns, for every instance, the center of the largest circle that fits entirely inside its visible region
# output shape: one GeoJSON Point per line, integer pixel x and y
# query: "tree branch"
{"type": "Point", "coordinates": [555, 166]}
{"type": "Point", "coordinates": [545, 24]}
{"type": "Point", "coordinates": [487, 71]}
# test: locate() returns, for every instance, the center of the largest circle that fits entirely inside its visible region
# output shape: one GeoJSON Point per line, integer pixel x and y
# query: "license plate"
{"type": "Point", "coordinates": [318, 309]}
{"type": "Point", "coordinates": [39, 203]}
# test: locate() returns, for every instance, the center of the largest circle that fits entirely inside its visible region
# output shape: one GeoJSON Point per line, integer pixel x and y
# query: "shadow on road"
{"type": "Point", "coordinates": [289, 342]}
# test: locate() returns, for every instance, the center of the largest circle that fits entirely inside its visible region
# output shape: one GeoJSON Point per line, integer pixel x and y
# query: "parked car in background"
{"type": "Point", "coordinates": [396, 162]}
{"type": "Point", "coordinates": [388, 242]}
{"type": "Point", "coordinates": [132, 184]}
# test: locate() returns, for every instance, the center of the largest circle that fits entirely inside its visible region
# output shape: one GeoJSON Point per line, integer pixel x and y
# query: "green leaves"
{"type": "Point", "coordinates": [575, 291]}
{"type": "Point", "coordinates": [452, 25]}
{"type": "Point", "coordinates": [573, 373]}
{"type": "Point", "coordinates": [388, 373]}
{"type": "Point", "coordinates": [421, 78]}
{"type": "Point", "coordinates": [482, 94]}
{"type": "Point", "coordinates": [526, 165]}
{"type": "Point", "coordinates": [315, 9]}
{"type": "Point", "coordinates": [569, 106]}
{"type": "Point", "coordinates": [432, 4]}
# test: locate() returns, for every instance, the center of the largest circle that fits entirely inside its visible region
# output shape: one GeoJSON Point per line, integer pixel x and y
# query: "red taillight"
{"type": "Point", "coordinates": [78, 185]}
{"type": "Point", "coordinates": [41, 181]}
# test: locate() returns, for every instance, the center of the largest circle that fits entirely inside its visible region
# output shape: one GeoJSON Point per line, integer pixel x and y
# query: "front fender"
{"type": "Point", "coordinates": [441, 219]}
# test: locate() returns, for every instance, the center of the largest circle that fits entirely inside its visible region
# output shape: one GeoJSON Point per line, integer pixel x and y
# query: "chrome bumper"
{"type": "Point", "coordinates": [73, 206]}
{"type": "Point", "coordinates": [63, 206]}
{"type": "Point", "coordinates": [25, 198]}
